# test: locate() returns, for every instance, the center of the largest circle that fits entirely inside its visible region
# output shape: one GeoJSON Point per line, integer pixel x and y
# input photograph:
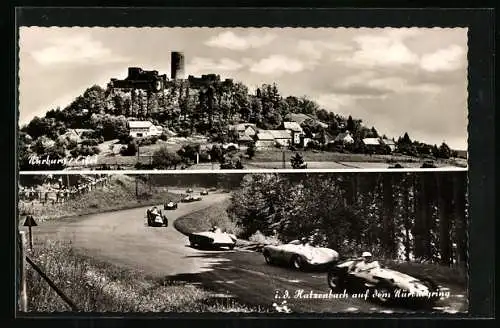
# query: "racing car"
{"type": "Point", "coordinates": [383, 284]}
{"type": "Point", "coordinates": [156, 220]}
{"type": "Point", "coordinates": [189, 191]}
{"type": "Point", "coordinates": [170, 206]}
{"type": "Point", "coordinates": [300, 255]}
{"type": "Point", "coordinates": [204, 192]}
{"type": "Point", "coordinates": [212, 239]}
{"type": "Point", "coordinates": [190, 198]}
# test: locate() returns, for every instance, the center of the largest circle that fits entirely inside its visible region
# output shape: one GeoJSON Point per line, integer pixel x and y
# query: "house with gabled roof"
{"type": "Point", "coordinates": [390, 143]}
{"type": "Point", "coordinates": [264, 139]}
{"type": "Point", "coordinates": [140, 129]}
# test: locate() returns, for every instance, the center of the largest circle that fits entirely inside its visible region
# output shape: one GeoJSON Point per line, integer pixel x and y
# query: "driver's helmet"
{"type": "Point", "coordinates": [366, 255]}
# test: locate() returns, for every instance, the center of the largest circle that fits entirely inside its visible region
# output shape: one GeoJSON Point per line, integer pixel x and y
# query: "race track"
{"type": "Point", "coordinates": [123, 238]}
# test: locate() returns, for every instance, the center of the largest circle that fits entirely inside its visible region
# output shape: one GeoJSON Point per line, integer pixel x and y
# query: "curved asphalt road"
{"type": "Point", "coordinates": [123, 238]}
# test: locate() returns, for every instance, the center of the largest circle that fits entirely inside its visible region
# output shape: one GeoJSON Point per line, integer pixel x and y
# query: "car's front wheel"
{"type": "Point", "coordinates": [298, 262]}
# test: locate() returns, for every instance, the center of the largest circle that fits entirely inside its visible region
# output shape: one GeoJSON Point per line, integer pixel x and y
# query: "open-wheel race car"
{"type": "Point", "coordinates": [189, 190]}
{"type": "Point", "coordinates": [204, 192]}
{"type": "Point", "coordinates": [191, 198]}
{"type": "Point", "coordinates": [155, 218]}
{"type": "Point", "coordinates": [214, 238]}
{"type": "Point", "coordinates": [300, 255]}
{"type": "Point", "coordinates": [170, 205]}
{"type": "Point", "coordinates": [382, 284]}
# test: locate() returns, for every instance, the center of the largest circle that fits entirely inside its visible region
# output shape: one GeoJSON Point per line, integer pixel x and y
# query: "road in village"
{"type": "Point", "coordinates": [123, 238]}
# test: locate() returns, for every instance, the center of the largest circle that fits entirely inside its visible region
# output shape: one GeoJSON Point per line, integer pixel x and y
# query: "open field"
{"type": "Point", "coordinates": [272, 158]}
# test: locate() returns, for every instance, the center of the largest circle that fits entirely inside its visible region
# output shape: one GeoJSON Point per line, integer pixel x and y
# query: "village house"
{"type": "Point", "coordinates": [140, 129]}
{"type": "Point", "coordinates": [77, 134]}
{"type": "Point", "coordinates": [372, 144]}
{"type": "Point", "coordinates": [295, 131]}
{"type": "Point", "coordinates": [282, 138]}
{"type": "Point", "coordinates": [245, 140]}
{"type": "Point", "coordinates": [344, 138]}
{"type": "Point", "coordinates": [244, 129]}
{"type": "Point", "coordinates": [264, 139]}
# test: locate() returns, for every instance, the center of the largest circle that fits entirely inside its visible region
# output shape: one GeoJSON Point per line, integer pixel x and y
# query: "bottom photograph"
{"type": "Point", "coordinates": [392, 242]}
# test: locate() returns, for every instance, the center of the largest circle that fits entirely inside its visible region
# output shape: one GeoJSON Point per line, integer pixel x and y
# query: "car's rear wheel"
{"type": "Point", "coordinates": [382, 293]}
{"type": "Point", "coordinates": [334, 280]}
{"type": "Point", "coordinates": [267, 257]}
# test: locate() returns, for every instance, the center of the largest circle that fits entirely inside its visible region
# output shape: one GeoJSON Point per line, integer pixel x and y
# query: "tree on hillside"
{"type": "Point", "coordinates": [350, 124]}
{"type": "Point", "coordinates": [444, 151]}
{"type": "Point", "coordinates": [165, 159]}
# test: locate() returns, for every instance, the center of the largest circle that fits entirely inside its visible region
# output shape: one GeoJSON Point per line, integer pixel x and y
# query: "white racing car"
{"type": "Point", "coordinates": [300, 255]}
{"type": "Point", "coordinates": [190, 199]}
{"type": "Point", "coordinates": [212, 239]}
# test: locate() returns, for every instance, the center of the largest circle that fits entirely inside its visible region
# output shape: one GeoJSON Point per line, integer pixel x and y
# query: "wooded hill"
{"type": "Point", "coordinates": [183, 108]}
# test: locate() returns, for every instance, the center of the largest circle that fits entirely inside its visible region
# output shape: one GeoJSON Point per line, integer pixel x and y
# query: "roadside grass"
{"type": "Point", "coordinates": [96, 286]}
{"type": "Point", "coordinates": [205, 219]}
{"type": "Point", "coordinates": [118, 194]}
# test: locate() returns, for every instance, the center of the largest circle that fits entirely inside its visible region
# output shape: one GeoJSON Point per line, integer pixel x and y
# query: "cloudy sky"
{"type": "Point", "coordinates": [397, 80]}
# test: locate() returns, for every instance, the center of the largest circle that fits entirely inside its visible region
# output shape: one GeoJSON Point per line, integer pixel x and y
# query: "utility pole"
{"type": "Point", "coordinates": [136, 187]}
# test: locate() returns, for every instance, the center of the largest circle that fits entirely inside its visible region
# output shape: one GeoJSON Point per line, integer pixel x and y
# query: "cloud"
{"type": "Point", "coordinates": [448, 59]}
{"type": "Point", "coordinates": [341, 103]}
{"type": "Point", "coordinates": [367, 83]}
{"type": "Point", "coordinates": [382, 51]}
{"type": "Point", "coordinates": [79, 49]}
{"type": "Point", "coordinates": [315, 49]}
{"type": "Point", "coordinates": [277, 64]}
{"type": "Point", "coordinates": [208, 65]}
{"type": "Point", "coordinates": [230, 40]}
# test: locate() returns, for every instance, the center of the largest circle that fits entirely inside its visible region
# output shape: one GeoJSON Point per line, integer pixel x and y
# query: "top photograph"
{"type": "Point", "coordinates": [215, 99]}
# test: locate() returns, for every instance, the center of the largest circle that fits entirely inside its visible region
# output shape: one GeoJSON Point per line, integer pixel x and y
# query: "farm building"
{"type": "Point", "coordinates": [390, 143]}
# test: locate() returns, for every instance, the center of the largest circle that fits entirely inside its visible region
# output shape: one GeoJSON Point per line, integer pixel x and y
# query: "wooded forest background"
{"type": "Point", "coordinates": [408, 216]}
